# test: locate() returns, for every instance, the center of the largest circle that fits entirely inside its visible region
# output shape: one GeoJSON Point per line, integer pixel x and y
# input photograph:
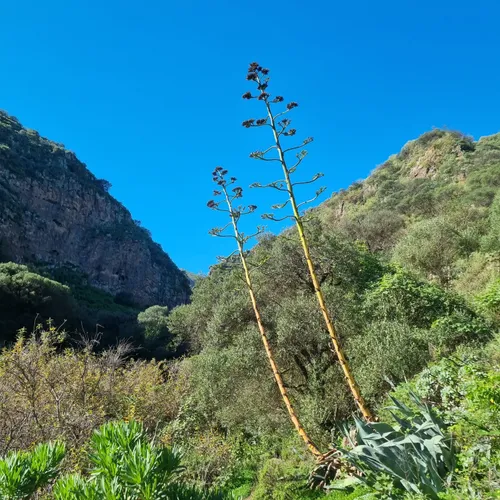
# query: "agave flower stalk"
{"type": "Point", "coordinates": [280, 127]}
{"type": "Point", "coordinates": [235, 213]}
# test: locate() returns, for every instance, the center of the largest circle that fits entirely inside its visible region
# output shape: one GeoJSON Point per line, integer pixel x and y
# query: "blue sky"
{"type": "Point", "coordinates": [148, 94]}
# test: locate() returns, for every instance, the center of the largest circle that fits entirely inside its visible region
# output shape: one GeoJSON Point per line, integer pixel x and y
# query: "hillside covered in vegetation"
{"type": "Point", "coordinates": [408, 262]}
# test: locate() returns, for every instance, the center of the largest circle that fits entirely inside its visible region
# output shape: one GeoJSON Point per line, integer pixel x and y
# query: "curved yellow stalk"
{"type": "Point", "coordinates": [353, 386]}
{"type": "Point", "coordinates": [269, 353]}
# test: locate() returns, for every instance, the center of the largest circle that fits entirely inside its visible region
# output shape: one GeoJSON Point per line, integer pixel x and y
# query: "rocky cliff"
{"type": "Point", "coordinates": [54, 211]}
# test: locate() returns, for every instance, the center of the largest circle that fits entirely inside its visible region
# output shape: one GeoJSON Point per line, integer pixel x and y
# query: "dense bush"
{"type": "Point", "coordinates": [464, 391]}
{"type": "Point", "coordinates": [489, 300]}
{"type": "Point", "coordinates": [445, 318]}
{"type": "Point", "coordinates": [24, 295]}
{"type": "Point", "coordinates": [122, 462]}
{"type": "Point", "coordinates": [491, 241]}
{"type": "Point", "coordinates": [431, 247]}
{"type": "Point", "coordinates": [157, 337]}
{"type": "Point", "coordinates": [49, 393]}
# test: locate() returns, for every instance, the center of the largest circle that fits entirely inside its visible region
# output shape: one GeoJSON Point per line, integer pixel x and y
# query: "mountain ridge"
{"type": "Point", "coordinates": [56, 212]}
{"type": "Point", "coordinates": [436, 170]}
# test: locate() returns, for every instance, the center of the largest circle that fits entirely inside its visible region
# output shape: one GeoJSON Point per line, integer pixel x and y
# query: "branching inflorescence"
{"type": "Point", "coordinates": [280, 125]}
{"type": "Point", "coordinates": [230, 193]}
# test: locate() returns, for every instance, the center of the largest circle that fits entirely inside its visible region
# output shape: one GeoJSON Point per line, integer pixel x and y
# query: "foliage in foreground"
{"type": "Point", "coordinates": [415, 453]}
{"type": "Point", "coordinates": [447, 448]}
{"type": "Point", "coordinates": [23, 473]}
{"type": "Point", "coordinates": [464, 390]}
{"type": "Point", "coordinates": [123, 464]}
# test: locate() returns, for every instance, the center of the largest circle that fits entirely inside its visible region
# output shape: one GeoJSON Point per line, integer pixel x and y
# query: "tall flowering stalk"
{"type": "Point", "coordinates": [230, 195]}
{"type": "Point", "coordinates": [280, 127]}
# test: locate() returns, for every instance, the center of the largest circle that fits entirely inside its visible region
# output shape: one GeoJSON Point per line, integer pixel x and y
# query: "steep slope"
{"type": "Point", "coordinates": [54, 211]}
{"type": "Point", "coordinates": [441, 172]}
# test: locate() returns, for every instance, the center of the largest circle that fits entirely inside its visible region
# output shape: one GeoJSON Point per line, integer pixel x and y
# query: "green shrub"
{"type": "Point", "coordinates": [491, 241]}
{"type": "Point", "coordinates": [464, 390]}
{"type": "Point", "coordinates": [210, 459]}
{"type": "Point", "coordinates": [445, 318]}
{"type": "Point", "coordinates": [432, 246]}
{"type": "Point", "coordinates": [158, 339]}
{"type": "Point", "coordinates": [476, 273]}
{"type": "Point", "coordinates": [124, 463]}
{"type": "Point", "coordinates": [476, 428]}
{"type": "Point", "coordinates": [489, 300]}
{"type": "Point", "coordinates": [400, 296]}
{"type": "Point", "coordinates": [154, 321]}
{"type": "Point", "coordinates": [414, 455]}
{"type": "Point", "coordinates": [388, 351]}
{"type": "Point", "coordinates": [23, 473]}
{"type": "Point", "coordinates": [281, 480]}
{"type": "Point", "coordinates": [24, 295]}
{"type": "Point", "coordinates": [459, 327]}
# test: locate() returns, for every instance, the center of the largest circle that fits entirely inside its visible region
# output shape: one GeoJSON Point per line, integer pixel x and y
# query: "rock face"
{"type": "Point", "coordinates": [54, 211]}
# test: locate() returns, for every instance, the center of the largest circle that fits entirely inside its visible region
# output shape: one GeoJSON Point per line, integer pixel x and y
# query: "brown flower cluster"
{"type": "Point", "coordinates": [256, 68]}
